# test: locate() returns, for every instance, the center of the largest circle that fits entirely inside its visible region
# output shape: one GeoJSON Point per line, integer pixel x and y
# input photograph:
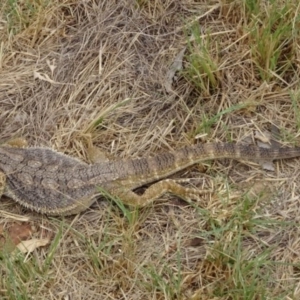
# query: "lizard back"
{"type": "Point", "coordinates": [43, 179]}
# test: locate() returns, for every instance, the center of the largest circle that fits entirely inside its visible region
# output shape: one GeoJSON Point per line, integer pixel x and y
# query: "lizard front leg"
{"type": "Point", "coordinates": [155, 191]}
{"type": "Point", "coordinates": [18, 143]}
{"type": "Point", "coordinates": [2, 183]}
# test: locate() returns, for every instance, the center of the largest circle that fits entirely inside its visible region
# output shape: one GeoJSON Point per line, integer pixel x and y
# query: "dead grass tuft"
{"type": "Point", "coordinates": [136, 77]}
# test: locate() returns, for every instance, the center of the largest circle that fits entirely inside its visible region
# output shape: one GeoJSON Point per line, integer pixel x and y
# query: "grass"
{"type": "Point", "coordinates": [272, 41]}
{"type": "Point", "coordinates": [202, 69]}
{"type": "Point", "coordinates": [21, 14]}
{"type": "Point", "coordinates": [77, 73]}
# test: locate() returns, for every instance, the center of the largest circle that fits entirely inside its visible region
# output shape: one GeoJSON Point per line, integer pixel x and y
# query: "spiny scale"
{"type": "Point", "coordinates": [56, 184]}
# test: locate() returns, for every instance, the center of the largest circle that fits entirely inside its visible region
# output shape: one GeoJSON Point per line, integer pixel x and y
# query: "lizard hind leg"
{"type": "Point", "coordinates": [155, 191]}
{"type": "Point", "coordinates": [96, 155]}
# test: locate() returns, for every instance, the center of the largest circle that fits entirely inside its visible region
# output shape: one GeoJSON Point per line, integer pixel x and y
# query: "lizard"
{"type": "Point", "coordinates": [53, 183]}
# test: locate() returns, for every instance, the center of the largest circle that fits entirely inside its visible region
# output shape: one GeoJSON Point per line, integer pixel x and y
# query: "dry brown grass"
{"type": "Point", "coordinates": [77, 72]}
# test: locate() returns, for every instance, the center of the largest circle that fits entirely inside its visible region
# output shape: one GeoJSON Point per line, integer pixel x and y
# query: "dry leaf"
{"type": "Point", "coordinates": [30, 245]}
{"type": "Point", "coordinates": [176, 66]}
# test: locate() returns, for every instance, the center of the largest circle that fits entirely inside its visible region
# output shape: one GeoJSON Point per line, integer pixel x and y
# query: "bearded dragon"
{"type": "Point", "coordinates": [53, 183]}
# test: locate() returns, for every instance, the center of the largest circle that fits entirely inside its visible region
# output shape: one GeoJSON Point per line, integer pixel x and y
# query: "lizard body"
{"type": "Point", "coordinates": [56, 184]}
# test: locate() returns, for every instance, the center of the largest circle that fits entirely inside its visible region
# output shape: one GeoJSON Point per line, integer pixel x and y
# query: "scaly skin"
{"type": "Point", "coordinates": [56, 184]}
